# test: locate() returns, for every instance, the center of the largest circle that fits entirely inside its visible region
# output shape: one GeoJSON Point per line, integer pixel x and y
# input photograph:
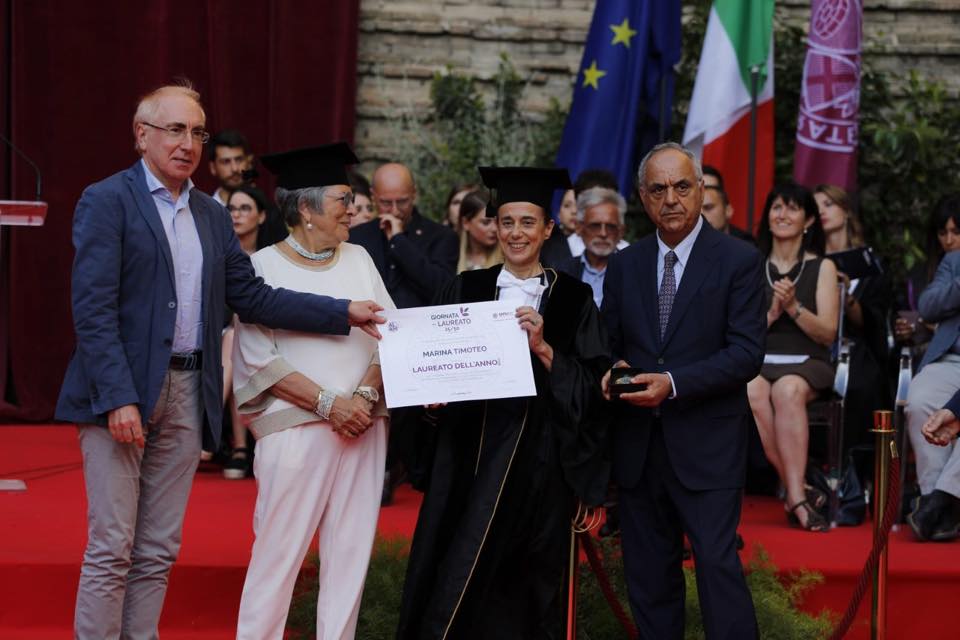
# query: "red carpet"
{"type": "Point", "coordinates": [42, 535]}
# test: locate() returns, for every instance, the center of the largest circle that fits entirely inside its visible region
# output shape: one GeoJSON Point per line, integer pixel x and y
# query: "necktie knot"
{"type": "Point", "coordinates": [670, 259]}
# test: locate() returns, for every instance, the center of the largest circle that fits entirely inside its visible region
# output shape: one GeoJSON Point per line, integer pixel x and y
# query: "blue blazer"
{"type": "Point", "coordinates": [940, 303]}
{"type": "Point", "coordinates": [124, 301]}
{"type": "Point", "coordinates": [714, 345]}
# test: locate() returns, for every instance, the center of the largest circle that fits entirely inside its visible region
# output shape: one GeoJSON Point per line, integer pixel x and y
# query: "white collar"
{"type": "Point", "coordinates": [154, 184]}
{"type": "Point", "coordinates": [684, 247]}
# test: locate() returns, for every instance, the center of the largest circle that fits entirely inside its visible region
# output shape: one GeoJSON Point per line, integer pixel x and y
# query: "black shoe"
{"type": "Point", "coordinates": [948, 526]}
{"type": "Point", "coordinates": [238, 466]}
{"type": "Point", "coordinates": [925, 517]}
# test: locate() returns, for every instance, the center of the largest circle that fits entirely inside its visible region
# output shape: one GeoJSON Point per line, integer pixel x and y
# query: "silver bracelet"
{"type": "Point", "coordinates": [324, 404]}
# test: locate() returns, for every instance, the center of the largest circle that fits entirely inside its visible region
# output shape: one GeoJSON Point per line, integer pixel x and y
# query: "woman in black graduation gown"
{"type": "Point", "coordinates": [491, 546]}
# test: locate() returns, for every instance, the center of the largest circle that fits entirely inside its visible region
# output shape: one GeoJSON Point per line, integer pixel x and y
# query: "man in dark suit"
{"type": "Point", "coordinates": [156, 261]}
{"type": "Point", "coordinates": [685, 307]}
{"type": "Point", "coordinates": [416, 258]}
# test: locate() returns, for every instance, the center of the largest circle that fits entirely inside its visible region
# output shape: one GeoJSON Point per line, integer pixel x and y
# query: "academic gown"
{"type": "Point", "coordinates": [489, 554]}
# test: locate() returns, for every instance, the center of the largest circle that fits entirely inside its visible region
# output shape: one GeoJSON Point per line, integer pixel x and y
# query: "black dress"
{"type": "Point", "coordinates": [785, 337]}
{"type": "Point", "coordinates": [490, 550]}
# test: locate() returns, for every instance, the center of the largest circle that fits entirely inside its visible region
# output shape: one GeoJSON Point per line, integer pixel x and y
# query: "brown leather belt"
{"type": "Point", "coordinates": [186, 361]}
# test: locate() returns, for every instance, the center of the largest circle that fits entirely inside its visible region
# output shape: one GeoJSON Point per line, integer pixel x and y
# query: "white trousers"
{"type": "Point", "coordinates": [310, 479]}
{"type": "Point", "coordinates": [937, 467]}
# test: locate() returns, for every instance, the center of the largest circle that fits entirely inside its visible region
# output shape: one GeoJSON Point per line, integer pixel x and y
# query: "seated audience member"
{"type": "Point", "coordinates": [451, 212]}
{"type": "Point", "coordinates": [362, 201]}
{"type": "Point", "coordinates": [865, 316]}
{"type": "Point", "coordinates": [315, 408]}
{"type": "Point", "coordinates": [230, 156]}
{"type": "Point", "coordinates": [416, 257]}
{"type": "Point", "coordinates": [479, 248]}
{"type": "Point", "coordinates": [491, 547]}
{"type": "Point", "coordinates": [802, 322]}
{"type": "Point", "coordinates": [934, 516]}
{"type": "Point", "coordinates": [943, 426]}
{"type": "Point", "coordinates": [943, 236]}
{"type": "Point", "coordinates": [600, 216]}
{"type": "Point", "coordinates": [248, 207]}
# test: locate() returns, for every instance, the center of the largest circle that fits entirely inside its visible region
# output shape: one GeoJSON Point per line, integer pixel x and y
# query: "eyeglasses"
{"type": "Point", "coordinates": [178, 131]}
{"type": "Point", "coordinates": [602, 227]}
{"type": "Point", "coordinates": [346, 197]}
{"type": "Point", "coordinates": [243, 208]}
{"type": "Point", "coordinates": [658, 191]}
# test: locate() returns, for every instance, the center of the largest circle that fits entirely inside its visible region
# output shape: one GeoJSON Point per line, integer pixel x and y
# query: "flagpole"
{"type": "Point", "coordinates": [752, 166]}
{"type": "Point", "coordinates": [662, 133]}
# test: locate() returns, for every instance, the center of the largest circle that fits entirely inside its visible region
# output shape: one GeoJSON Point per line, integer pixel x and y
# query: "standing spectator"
{"type": "Point", "coordinates": [718, 211]}
{"type": "Point", "coordinates": [156, 261]}
{"type": "Point", "coordinates": [567, 215]}
{"type": "Point", "coordinates": [601, 219]}
{"type": "Point", "coordinates": [416, 257]}
{"type": "Point", "coordinates": [230, 156]}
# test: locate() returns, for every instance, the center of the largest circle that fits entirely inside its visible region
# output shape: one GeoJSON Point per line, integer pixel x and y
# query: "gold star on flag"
{"type": "Point", "coordinates": [622, 33]}
{"type": "Point", "coordinates": [592, 75]}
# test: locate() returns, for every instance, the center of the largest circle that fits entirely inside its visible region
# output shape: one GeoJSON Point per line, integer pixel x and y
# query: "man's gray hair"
{"type": "Point", "coordinates": [663, 146]}
{"type": "Point", "coordinates": [601, 195]}
{"type": "Point", "coordinates": [149, 105]}
{"type": "Point", "coordinates": [290, 201]}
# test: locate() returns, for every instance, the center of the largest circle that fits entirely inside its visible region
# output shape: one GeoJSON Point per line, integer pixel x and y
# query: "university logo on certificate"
{"type": "Point", "coordinates": [452, 353]}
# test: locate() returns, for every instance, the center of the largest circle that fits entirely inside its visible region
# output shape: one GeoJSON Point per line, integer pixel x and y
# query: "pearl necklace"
{"type": "Point", "coordinates": [326, 254]}
{"type": "Point", "coordinates": [803, 263]}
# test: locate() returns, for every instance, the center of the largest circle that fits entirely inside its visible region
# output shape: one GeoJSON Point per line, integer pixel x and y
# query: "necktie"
{"type": "Point", "coordinates": [668, 289]}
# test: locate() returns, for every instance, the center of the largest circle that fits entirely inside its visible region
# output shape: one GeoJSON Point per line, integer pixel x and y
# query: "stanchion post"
{"type": "Point", "coordinates": [573, 575]}
{"type": "Point", "coordinates": [885, 451]}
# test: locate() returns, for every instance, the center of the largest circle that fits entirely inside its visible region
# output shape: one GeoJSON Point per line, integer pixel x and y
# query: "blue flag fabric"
{"type": "Point", "coordinates": [624, 84]}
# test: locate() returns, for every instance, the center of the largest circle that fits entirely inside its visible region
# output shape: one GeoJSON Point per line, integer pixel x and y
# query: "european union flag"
{"type": "Point", "coordinates": [625, 83]}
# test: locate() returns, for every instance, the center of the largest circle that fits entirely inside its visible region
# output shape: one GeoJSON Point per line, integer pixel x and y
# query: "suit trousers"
{"type": "Point", "coordinates": [654, 516]}
{"type": "Point", "coordinates": [136, 500]}
{"type": "Point", "coordinates": [937, 467]}
{"type": "Point", "coordinates": [309, 478]}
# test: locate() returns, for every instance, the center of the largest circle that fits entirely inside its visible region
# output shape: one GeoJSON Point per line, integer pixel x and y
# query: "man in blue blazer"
{"type": "Point", "coordinates": [685, 306]}
{"type": "Point", "coordinates": [936, 514]}
{"type": "Point", "coordinates": [156, 261]}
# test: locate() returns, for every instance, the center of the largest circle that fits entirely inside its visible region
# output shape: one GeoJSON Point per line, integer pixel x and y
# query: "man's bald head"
{"type": "Point", "coordinates": [394, 191]}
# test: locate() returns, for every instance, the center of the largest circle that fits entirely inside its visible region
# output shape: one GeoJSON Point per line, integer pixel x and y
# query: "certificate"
{"type": "Point", "coordinates": [451, 353]}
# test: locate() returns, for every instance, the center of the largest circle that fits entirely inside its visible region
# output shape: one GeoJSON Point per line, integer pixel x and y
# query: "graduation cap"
{"type": "Point", "coordinates": [311, 166]}
{"type": "Point", "coordinates": [523, 184]}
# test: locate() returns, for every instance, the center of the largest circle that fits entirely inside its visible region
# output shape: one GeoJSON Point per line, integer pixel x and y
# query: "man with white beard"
{"type": "Point", "coordinates": [600, 213]}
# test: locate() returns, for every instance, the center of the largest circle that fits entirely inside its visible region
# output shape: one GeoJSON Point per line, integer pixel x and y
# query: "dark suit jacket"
{"type": "Point", "coordinates": [572, 267]}
{"type": "Point", "coordinates": [124, 301]}
{"type": "Point", "coordinates": [415, 264]}
{"type": "Point", "coordinates": [713, 346]}
{"type": "Point", "coordinates": [940, 303]}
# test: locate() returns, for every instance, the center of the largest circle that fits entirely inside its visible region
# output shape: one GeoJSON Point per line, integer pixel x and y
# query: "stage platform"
{"type": "Point", "coordinates": [42, 535]}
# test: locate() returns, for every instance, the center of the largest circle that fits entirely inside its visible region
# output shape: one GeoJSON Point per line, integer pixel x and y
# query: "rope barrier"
{"type": "Point", "coordinates": [890, 513]}
{"type": "Point", "coordinates": [604, 580]}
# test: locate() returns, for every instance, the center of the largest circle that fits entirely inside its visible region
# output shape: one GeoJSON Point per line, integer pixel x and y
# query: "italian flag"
{"type": "Point", "coordinates": [739, 37]}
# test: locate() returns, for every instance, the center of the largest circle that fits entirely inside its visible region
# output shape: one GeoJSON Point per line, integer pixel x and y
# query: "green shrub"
{"type": "Point", "coordinates": [775, 598]}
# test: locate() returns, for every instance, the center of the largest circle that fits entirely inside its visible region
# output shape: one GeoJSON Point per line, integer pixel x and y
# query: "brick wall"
{"type": "Point", "coordinates": [403, 42]}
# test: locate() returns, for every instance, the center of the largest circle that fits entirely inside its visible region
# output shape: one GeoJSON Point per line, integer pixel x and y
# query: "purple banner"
{"type": "Point", "coordinates": [826, 149]}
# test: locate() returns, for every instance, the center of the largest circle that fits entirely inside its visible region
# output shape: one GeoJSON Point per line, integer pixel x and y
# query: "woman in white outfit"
{"type": "Point", "coordinates": [317, 415]}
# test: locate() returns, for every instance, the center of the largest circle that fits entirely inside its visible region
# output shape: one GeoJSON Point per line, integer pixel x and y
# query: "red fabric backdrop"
{"type": "Point", "coordinates": [284, 73]}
